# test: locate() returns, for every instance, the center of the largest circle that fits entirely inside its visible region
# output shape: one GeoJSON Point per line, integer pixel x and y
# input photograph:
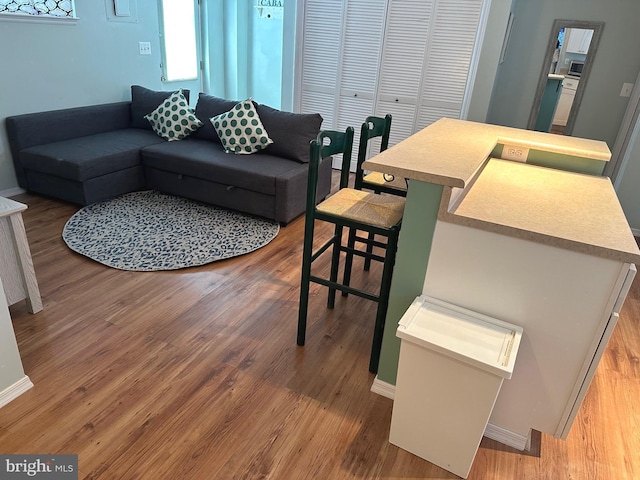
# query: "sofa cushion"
{"type": "Point", "coordinates": [209, 106]}
{"type": "Point", "coordinates": [145, 101]}
{"type": "Point", "coordinates": [173, 119]}
{"type": "Point", "coordinates": [91, 156]}
{"type": "Point", "coordinates": [240, 129]}
{"type": "Point", "coordinates": [290, 132]}
{"type": "Point", "coordinates": [207, 160]}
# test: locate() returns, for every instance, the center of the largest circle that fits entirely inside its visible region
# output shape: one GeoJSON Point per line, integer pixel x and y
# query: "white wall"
{"type": "Point", "coordinates": [51, 66]}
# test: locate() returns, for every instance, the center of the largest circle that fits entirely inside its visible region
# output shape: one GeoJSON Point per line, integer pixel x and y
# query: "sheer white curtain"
{"type": "Point", "coordinates": [243, 50]}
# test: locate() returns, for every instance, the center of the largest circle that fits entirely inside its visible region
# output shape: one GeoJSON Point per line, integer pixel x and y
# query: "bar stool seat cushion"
{"type": "Point", "coordinates": [379, 210]}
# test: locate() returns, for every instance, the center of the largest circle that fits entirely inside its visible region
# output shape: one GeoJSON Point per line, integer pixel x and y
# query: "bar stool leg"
{"type": "Point", "coordinates": [348, 264]}
{"type": "Point", "coordinates": [367, 259]}
{"type": "Point", "coordinates": [335, 262]}
{"type": "Point", "coordinates": [383, 300]}
{"type": "Point", "coordinates": [307, 252]}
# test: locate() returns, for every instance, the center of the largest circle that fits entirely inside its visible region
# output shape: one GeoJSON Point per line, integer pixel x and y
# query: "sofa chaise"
{"type": "Point", "coordinates": [88, 154]}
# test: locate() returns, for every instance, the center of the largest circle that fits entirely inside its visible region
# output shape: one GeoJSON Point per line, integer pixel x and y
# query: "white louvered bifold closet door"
{"type": "Point", "coordinates": [446, 67]}
{"type": "Point", "coordinates": [409, 58]}
{"type": "Point", "coordinates": [363, 33]}
{"type": "Point", "coordinates": [403, 54]}
{"type": "Point", "coordinates": [322, 42]}
{"type": "Point", "coordinates": [340, 61]}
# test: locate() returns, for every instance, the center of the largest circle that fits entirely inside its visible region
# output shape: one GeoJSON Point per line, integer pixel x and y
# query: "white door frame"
{"type": "Point", "coordinates": [626, 137]}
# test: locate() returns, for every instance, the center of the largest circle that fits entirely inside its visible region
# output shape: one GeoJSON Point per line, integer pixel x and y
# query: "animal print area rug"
{"type": "Point", "coordinates": [149, 231]}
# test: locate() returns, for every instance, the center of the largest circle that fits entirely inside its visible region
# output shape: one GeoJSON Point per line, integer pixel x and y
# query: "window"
{"type": "Point", "coordinates": [38, 8]}
{"type": "Point", "coordinates": [179, 40]}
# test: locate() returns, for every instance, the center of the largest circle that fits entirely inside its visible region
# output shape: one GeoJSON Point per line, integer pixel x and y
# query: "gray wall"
{"type": "Point", "coordinates": [629, 185]}
{"type": "Point", "coordinates": [617, 62]}
{"type": "Point", "coordinates": [488, 62]}
{"type": "Point", "coordinates": [50, 66]}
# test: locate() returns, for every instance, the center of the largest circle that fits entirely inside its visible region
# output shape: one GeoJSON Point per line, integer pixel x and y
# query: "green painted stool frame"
{"type": "Point", "coordinates": [372, 127]}
{"type": "Point", "coordinates": [342, 143]}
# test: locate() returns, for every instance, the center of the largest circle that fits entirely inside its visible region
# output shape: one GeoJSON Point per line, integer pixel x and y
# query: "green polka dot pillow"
{"type": "Point", "coordinates": [173, 119]}
{"type": "Point", "coordinates": [240, 129]}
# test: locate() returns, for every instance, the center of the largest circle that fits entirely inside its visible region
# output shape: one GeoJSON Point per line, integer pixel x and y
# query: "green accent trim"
{"type": "Point", "coordinates": [566, 162]}
{"type": "Point", "coordinates": [497, 151]}
{"type": "Point", "coordinates": [414, 248]}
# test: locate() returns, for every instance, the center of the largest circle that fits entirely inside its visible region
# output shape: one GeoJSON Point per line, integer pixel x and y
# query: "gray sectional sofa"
{"type": "Point", "coordinates": [88, 154]}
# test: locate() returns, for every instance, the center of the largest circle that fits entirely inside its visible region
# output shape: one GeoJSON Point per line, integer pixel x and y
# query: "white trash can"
{"type": "Point", "coordinates": [451, 367]}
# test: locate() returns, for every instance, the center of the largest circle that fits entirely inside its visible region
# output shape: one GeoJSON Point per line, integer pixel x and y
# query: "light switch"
{"type": "Point", "coordinates": [145, 48]}
{"type": "Point", "coordinates": [627, 88]}
{"type": "Point", "coordinates": [122, 8]}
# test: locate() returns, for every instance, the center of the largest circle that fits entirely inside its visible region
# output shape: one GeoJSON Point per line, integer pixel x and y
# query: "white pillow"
{"type": "Point", "coordinates": [240, 129]}
{"type": "Point", "coordinates": [173, 119]}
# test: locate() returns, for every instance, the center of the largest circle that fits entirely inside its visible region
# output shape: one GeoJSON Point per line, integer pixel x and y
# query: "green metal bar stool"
{"type": "Point", "coordinates": [353, 209]}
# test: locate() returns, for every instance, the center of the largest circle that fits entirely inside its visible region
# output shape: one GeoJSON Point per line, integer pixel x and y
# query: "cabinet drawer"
{"type": "Point", "coordinates": [570, 83]}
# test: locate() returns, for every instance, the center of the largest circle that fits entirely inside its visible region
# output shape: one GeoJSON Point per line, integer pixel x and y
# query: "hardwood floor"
{"type": "Point", "coordinates": [195, 374]}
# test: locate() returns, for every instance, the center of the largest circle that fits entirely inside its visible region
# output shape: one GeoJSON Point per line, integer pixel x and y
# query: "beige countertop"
{"type": "Point", "coordinates": [569, 210]}
{"type": "Point", "coordinates": [564, 209]}
{"type": "Point", "coordinates": [456, 149]}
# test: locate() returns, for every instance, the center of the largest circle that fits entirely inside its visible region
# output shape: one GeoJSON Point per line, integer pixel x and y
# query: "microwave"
{"type": "Point", "coordinates": [575, 68]}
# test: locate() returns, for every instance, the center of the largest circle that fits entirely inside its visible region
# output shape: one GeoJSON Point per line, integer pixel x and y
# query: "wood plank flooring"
{"type": "Point", "coordinates": [195, 374]}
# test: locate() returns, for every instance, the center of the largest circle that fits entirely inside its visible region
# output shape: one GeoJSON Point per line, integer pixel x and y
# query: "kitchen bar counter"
{"type": "Point", "coordinates": [540, 242]}
{"type": "Point", "coordinates": [564, 209]}
{"type": "Point", "coordinates": [551, 206]}
{"type": "Point", "coordinates": [449, 152]}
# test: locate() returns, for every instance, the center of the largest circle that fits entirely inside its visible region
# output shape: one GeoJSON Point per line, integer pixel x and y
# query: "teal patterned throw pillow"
{"type": "Point", "coordinates": [240, 129]}
{"type": "Point", "coordinates": [174, 119]}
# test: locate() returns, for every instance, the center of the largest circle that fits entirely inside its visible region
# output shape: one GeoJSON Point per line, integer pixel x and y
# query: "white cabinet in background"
{"type": "Point", "coordinates": [409, 58]}
{"type": "Point", "coordinates": [569, 87]}
{"type": "Point", "coordinates": [578, 40]}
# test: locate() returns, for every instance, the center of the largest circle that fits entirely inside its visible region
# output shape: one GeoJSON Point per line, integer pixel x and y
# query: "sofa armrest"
{"type": "Point", "coordinates": [31, 129]}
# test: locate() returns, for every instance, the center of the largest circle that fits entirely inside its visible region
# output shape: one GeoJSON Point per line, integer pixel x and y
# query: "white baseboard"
{"type": "Point", "coordinates": [14, 391]}
{"type": "Point", "coordinates": [11, 192]}
{"type": "Point", "coordinates": [636, 232]}
{"type": "Point", "coordinates": [499, 434]}
{"type": "Point", "coordinates": [383, 388]}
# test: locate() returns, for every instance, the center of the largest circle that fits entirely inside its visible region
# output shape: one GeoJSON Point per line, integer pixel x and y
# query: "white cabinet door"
{"type": "Point", "coordinates": [579, 40]}
{"type": "Point", "coordinates": [564, 107]}
{"type": "Point", "coordinates": [569, 86]}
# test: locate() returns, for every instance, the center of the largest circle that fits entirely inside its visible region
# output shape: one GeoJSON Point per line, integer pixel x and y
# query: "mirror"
{"type": "Point", "coordinates": [565, 71]}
